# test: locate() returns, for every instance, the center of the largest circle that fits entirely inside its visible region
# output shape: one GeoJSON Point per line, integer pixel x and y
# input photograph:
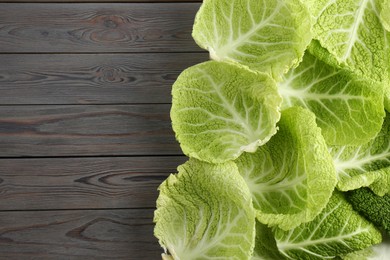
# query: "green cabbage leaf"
{"type": "Point", "coordinates": [220, 110]}
{"type": "Point", "coordinates": [265, 244]}
{"type": "Point", "coordinates": [385, 14]}
{"type": "Point", "coordinates": [205, 212]}
{"type": "Point", "coordinates": [292, 177]}
{"type": "Point", "coordinates": [354, 32]}
{"type": "Point", "coordinates": [375, 252]}
{"type": "Point", "coordinates": [346, 106]}
{"type": "Point", "coordinates": [337, 230]}
{"type": "Point", "coordinates": [267, 36]}
{"type": "Point", "coordinates": [347, 29]}
{"type": "Point", "coordinates": [366, 165]}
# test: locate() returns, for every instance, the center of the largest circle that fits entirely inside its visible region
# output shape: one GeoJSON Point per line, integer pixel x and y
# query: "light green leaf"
{"type": "Point", "coordinates": [352, 32]}
{"type": "Point", "coordinates": [220, 110]}
{"type": "Point", "coordinates": [360, 255]}
{"type": "Point", "coordinates": [385, 14]}
{"type": "Point", "coordinates": [205, 212]}
{"type": "Point", "coordinates": [348, 108]}
{"type": "Point", "coordinates": [366, 165]}
{"type": "Point", "coordinates": [265, 35]}
{"type": "Point", "coordinates": [381, 251]}
{"type": "Point", "coordinates": [377, 252]}
{"type": "Point", "coordinates": [337, 230]}
{"type": "Point", "coordinates": [387, 84]}
{"type": "Point", "coordinates": [292, 177]}
{"type": "Point", "coordinates": [321, 53]}
{"type": "Point", "coordinates": [317, 7]}
{"type": "Point", "coordinates": [381, 185]}
{"type": "Point", "coordinates": [265, 244]}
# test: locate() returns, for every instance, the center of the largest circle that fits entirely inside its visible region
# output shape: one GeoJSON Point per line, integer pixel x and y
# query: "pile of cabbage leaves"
{"type": "Point", "coordinates": [287, 119]}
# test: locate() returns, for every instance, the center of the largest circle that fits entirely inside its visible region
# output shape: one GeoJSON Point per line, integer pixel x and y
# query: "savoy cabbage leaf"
{"type": "Point", "coordinates": [385, 14]}
{"type": "Point", "coordinates": [354, 32]}
{"type": "Point", "coordinates": [268, 36]}
{"type": "Point", "coordinates": [205, 212]}
{"type": "Point", "coordinates": [265, 244]}
{"type": "Point", "coordinates": [337, 230]}
{"type": "Point", "coordinates": [359, 255]}
{"type": "Point", "coordinates": [317, 7]}
{"type": "Point", "coordinates": [387, 84]}
{"type": "Point", "coordinates": [381, 251]}
{"type": "Point", "coordinates": [346, 28]}
{"type": "Point", "coordinates": [373, 207]}
{"type": "Point", "coordinates": [376, 252]}
{"type": "Point", "coordinates": [367, 165]}
{"type": "Point", "coordinates": [292, 177]}
{"type": "Point", "coordinates": [220, 110]}
{"type": "Point", "coordinates": [346, 106]}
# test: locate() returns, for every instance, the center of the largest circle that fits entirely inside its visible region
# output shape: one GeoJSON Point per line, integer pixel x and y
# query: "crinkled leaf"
{"type": "Point", "coordinates": [385, 14]}
{"type": "Point", "coordinates": [377, 252]}
{"type": "Point", "coordinates": [387, 84]}
{"type": "Point", "coordinates": [265, 244]}
{"type": "Point", "coordinates": [292, 177]}
{"type": "Point", "coordinates": [337, 230]}
{"type": "Point", "coordinates": [323, 54]}
{"type": "Point", "coordinates": [348, 108]}
{"type": "Point", "coordinates": [205, 212]}
{"type": "Point", "coordinates": [317, 7]}
{"type": "Point", "coordinates": [316, 49]}
{"type": "Point", "coordinates": [365, 165]}
{"type": "Point", "coordinates": [360, 254]}
{"type": "Point", "coordinates": [381, 185]}
{"type": "Point", "coordinates": [371, 206]}
{"type": "Point", "coordinates": [220, 110]}
{"type": "Point", "coordinates": [381, 251]}
{"type": "Point", "coordinates": [352, 32]}
{"type": "Point", "coordinates": [268, 36]}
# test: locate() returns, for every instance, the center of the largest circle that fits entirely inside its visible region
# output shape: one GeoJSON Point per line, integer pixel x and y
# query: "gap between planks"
{"type": "Point", "coordinates": [79, 234]}
{"type": "Point", "coordinates": [83, 183]}
{"type": "Point", "coordinates": [42, 131]}
{"type": "Point", "coordinates": [98, 27]}
{"type": "Point", "coordinates": [42, 79]}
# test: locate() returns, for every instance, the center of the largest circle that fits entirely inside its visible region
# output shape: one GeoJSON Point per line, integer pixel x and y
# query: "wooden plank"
{"type": "Point", "coordinates": [96, 234]}
{"type": "Point", "coordinates": [132, 27]}
{"type": "Point", "coordinates": [83, 183]}
{"type": "Point", "coordinates": [86, 130]}
{"type": "Point", "coordinates": [99, 1]}
{"type": "Point", "coordinates": [91, 78]}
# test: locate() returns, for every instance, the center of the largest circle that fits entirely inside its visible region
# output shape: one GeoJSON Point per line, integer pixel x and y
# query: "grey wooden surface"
{"type": "Point", "coordinates": [85, 133]}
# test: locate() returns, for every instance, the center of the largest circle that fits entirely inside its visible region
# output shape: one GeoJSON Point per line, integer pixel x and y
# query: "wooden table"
{"type": "Point", "coordinates": [85, 133]}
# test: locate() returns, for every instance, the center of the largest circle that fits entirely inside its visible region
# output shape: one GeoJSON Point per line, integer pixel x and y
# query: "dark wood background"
{"type": "Point", "coordinates": [85, 133]}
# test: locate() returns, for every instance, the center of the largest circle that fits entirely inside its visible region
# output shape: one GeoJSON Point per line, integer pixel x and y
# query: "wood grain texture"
{"type": "Point", "coordinates": [98, 234]}
{"type": "Point", "coordinates": [83, 183]}
{"type": "Point", "coordinates": [132, 27]}
{"type": "Point", "coordinates": [99, 1]}
{"type": "Point", "coordinates": [86, 130]}
{"type": "Point", "coordinates": [85, 133]}
{"type": "Point", "coordinates": [91, 78]}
